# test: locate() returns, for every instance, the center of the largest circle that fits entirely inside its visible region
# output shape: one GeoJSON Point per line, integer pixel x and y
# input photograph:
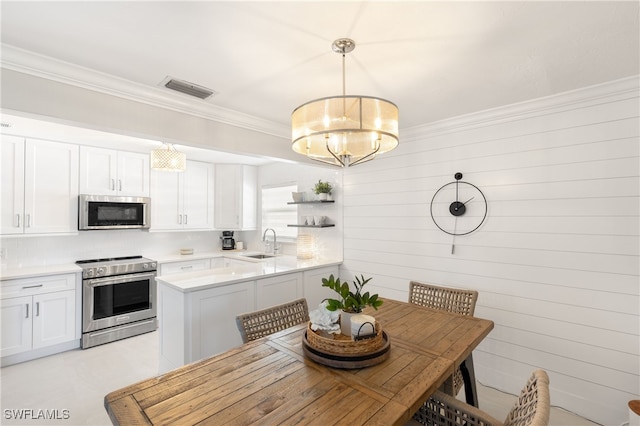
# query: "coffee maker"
{"type": "Point", "coordinates": [228, 243]}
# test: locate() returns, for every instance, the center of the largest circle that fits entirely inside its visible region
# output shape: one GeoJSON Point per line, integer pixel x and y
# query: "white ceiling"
{"type": "Point", "coordinates": [435, 60]}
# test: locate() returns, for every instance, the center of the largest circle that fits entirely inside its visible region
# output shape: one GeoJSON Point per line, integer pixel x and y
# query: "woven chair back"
{"type": "Point", "coordinates": [447, 299]}
{"type": "Point", "coordinates": [254, 325]}
{"type": "Point", "coordinates": [532, 408]}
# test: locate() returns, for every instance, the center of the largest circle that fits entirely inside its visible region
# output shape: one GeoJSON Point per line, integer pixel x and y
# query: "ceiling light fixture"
{"type": "Point", "coordinates": [344, 130]}
{"type": "Point", "coordinates": [167, 159]}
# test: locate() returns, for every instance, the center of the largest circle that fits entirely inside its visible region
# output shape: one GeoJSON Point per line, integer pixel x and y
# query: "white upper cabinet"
{"type": "Point", "coordinates": [183, 200]}
{"type": "Point", "coordinates": [236, 197]}
{"type": "Point", "coordinates": [12, 169]}
{"type": "Point", "coordinates": [39, 186]}
{"type": "Point", "coordinates": [110, 172]}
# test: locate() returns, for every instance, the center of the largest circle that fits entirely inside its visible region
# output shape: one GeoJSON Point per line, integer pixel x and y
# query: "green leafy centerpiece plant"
{"type": "Point", "coordinates": [350, 302]}
{"type": "Point", "coordinates": [322, 189]}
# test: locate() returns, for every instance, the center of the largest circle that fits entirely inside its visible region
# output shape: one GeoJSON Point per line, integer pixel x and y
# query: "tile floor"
{"type": "Point", "coordinates": [78, 380]}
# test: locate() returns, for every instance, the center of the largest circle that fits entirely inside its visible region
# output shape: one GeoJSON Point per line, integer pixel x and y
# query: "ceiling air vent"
{"type": "Point", "coordinates": [188, 88]}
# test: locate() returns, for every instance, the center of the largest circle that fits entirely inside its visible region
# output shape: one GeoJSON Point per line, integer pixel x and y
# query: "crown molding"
{"type": "Point", "coordinates": [629, 86]}
{"type": "Point", "coordinates": [37, 65]}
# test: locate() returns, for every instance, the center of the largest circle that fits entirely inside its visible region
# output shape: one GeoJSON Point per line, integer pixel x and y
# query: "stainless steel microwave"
{"type": "Point", "coordinates": [113, 212]}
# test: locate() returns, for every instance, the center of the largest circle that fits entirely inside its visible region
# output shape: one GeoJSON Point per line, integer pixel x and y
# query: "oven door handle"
{"type": "Point", "coordinates": [118, 279]}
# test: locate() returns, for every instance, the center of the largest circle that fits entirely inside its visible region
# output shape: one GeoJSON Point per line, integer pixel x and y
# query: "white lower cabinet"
{"type": "Point", "coordinates": [313, 290]}
{"type": "Point", "coordinates": [277, 290]}
{"type": "Point", "coordinates": [214, 314]}
{"type": "Point", "coordinates": [202, 323]}
{"type": "Point", "coordinates": [17, 328]}
{"type": "Point", "coordinates": [53, 318]}
{"type": "Point", "coordinates": [40, 317]}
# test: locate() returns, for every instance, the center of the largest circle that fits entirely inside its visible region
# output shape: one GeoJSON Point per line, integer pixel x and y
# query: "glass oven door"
{"type": "Point", "coordinates": [112, 301]}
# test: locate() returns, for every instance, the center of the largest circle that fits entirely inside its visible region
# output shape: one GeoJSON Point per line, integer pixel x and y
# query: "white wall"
{"type": "Point", "coordinates": [556, 262]}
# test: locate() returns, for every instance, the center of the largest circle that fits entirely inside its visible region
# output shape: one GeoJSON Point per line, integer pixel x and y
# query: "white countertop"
{"type": "Point", "coordinates": [38, 271]}
{"type": "Point", "coordinates": [28, 271]}
{"type": "Point", "coordinates": [190, 281]}
{"type": "Point", "coordinates": [254, 269]}
{"type": "Point", "coordinates": [177, 257]}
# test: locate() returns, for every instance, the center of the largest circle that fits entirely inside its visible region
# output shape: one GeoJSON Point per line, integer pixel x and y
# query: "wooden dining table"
{"type": "Point", "coordinates": [270, 381]}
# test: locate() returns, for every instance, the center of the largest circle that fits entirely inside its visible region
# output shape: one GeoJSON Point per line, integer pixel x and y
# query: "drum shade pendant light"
{"type": "Point", "coordinates": [344, 130]}
{"type": "Point", "coordinates": [168, 159]}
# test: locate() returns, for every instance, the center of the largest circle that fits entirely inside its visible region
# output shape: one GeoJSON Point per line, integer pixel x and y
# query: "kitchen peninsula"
{"type": "Point", "coordinates": [197, 310]}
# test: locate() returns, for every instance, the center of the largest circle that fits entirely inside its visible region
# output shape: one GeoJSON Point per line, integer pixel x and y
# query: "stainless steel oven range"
{"type": "Point", "coordinates": [118, 299]}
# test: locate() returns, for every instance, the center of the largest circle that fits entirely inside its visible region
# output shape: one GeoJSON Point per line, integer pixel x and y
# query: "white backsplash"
{"type": "Point", "coordinates": [52, 250]}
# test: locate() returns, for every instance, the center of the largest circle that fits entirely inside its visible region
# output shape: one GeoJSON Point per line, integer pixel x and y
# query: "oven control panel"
{"type": "Point", "coordinates": [110, 267]}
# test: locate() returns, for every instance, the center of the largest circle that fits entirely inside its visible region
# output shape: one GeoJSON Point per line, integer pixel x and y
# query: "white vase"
{"type": "Point", "coordinates": [322, 196]}
{"type": "Point", "coordinates": [345, 322]}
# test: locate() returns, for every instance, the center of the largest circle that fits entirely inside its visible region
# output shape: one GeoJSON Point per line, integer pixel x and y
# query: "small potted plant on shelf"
{"type": "Point", "coordinates": [323, 190]}
{"type": "Point", "coordinates": [350, 303]}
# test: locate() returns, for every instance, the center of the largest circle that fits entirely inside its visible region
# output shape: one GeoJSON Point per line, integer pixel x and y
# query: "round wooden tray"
{"type": "Point", "coordinates": [347, 361]}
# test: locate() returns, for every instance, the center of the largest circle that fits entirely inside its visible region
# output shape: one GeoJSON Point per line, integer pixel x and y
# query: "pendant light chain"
{"type": "Point", "coordinates": [344, 86]}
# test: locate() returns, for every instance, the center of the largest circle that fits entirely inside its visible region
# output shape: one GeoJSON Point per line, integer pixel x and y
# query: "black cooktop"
{"type": "Point", "coordinates": [107, 259]}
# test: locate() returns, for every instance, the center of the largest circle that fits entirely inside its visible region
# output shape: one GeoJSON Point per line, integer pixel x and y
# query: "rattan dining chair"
{"type": "Point", "coordinates": [448, 299]}
{"type": "Point", "coordinates": [257, 324]}
{"type": "Point", "coordinates": [531, 409]}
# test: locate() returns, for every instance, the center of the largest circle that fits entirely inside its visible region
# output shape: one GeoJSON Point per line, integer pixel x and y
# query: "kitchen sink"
{"type": "Point", "coordinates": [259, 256]}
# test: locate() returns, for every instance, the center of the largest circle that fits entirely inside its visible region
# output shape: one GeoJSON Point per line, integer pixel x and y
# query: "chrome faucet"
{"type": "Point", "coordinates": [264, 238]}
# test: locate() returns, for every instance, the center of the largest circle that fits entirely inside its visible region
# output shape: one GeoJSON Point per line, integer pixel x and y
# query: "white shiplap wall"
{"type": "Point", "coordinates": [557, 261]}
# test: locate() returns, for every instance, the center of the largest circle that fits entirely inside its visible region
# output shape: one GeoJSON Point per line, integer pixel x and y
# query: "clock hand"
{"type": "Point", "coordinates": [459, 205]}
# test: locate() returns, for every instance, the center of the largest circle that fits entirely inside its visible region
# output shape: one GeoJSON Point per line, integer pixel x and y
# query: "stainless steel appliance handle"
{"type": "Point", "coordinates": [118, 279]}
{"type": "Point", "coordinates": [24, 287]}
{"type": "Point", "coordinates": [122, 327]}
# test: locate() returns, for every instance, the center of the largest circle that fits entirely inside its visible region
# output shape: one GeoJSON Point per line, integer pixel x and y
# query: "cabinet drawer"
{"type": "Point", "coordinates": [185, 266]}
{"type": "Point", "coordinates": [37, 285]}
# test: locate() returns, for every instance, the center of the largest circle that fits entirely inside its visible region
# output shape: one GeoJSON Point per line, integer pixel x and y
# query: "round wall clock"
{"type": "Point", "coordinates": [458, 207]}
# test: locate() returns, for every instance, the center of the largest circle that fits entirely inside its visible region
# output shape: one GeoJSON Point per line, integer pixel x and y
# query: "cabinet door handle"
{"type": "Point", "coordinates": [185, 219]}
{"type": "Point", "coordinates": [186, 267]}
{"type": "Point", "coordinates": [28, 221]}
{"type": "Point", "coordinates": [18, 217]}
{"type": "Point", "coordinates": [119, 184]}
{"type": "Point", "coordinates": [113, 184]}
{"type": "Point", "coordinates": [27, 305]}
{"type": "Point", "coordinates": [24, 287]}
{"type": "Point", "coordinates": [37, 309]}
{"type": "Point", "coordinates": [179, 219]}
